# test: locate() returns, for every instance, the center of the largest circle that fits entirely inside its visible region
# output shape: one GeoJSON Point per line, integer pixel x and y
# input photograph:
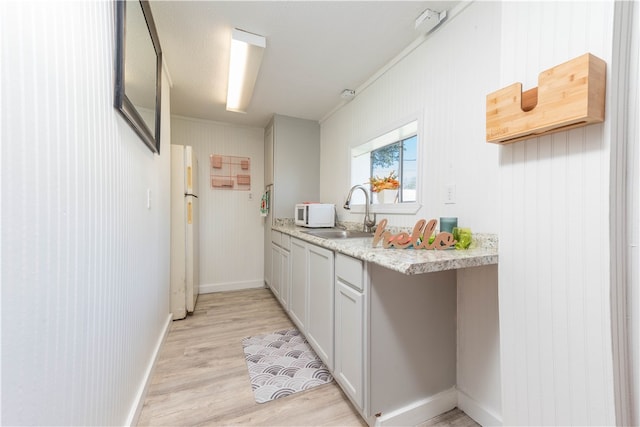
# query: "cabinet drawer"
{"type": "Point", "coordinates": [276, 237]}
{"type": "Point", "coordinates": [286, 242]}
{"type": "Point", "coordinates": [350, 270]}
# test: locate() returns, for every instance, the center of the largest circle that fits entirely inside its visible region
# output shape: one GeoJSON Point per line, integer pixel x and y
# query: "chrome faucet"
{"type": "Point", "coordinates": [368, 222]}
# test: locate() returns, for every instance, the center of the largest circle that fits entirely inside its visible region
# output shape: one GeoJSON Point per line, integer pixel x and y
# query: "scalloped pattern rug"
{"type": "Point", "coordinates": [282, 363]}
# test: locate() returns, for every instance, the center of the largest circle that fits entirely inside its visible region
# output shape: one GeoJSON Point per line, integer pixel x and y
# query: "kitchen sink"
{"type": "Point", "coordinates": [333, 233]}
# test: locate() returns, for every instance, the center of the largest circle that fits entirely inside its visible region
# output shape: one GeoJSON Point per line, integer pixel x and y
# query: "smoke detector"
{"type": "Point", "coordinates": [429, 20]}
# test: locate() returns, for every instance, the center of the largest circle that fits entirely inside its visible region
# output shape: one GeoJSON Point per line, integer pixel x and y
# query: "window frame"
{"type": "Point", "coordinates": [399, 131]}
{"type": "Point", "coordinates": [401, 172]}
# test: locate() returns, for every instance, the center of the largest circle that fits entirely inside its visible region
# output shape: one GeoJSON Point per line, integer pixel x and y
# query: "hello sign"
{"type": "Point", "coordinates": [403, 240]}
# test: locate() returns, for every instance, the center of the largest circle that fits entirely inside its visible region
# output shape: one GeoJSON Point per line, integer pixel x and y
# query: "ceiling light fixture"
{"type": "Point", "coordinates": [244, 63]}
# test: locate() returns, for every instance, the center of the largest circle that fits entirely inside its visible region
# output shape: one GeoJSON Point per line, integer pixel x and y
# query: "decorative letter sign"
{"type": "Point", "coordinates": [419, 238]}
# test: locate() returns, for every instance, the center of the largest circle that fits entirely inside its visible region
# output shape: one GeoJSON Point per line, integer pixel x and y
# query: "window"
{"type": "Point", "coordinates": [393, 153]}
{"type": "Point", "coordinates": [398, 160]}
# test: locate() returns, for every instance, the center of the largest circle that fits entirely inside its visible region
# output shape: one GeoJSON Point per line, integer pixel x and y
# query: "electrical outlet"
{"type": "Point", "coordinates": [450, 194]}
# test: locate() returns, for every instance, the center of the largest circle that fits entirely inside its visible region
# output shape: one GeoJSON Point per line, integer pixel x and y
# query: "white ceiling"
{"type": "Point", "coordinates": [315, 50]}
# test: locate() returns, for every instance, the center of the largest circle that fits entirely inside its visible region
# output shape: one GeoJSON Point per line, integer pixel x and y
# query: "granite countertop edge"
{"type": "Point", "coordinates": [405, 261]}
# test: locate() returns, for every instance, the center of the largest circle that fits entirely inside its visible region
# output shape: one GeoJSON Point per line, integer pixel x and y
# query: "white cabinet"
{"type": "Point", "coordinates": [349, 327]}
{"type": "Point", "coordinates": [285, 272]}
{"type": "Point", "coordinates": [280, 267]}
{"type": "Point", "coordinates": [311, 297]}
{"type": "Point", "coordinates": [268, 156]}
{"type": "Point", "coordinates": [291, 171]}
{"type": "Point", "coordinates": [276, 274]}
{"type": "Point", "coordinates": [292, 163]}
{"type": "Point", "coordinates": [362, 319]}
{"type": "Point", "coordinates": [298, 295]}
{"type": "Point", "coordinates": [319, 329]}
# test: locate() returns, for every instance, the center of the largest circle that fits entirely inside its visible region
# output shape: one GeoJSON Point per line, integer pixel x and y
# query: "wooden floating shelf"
{"type": "Point", "coordinates": [568, 95]}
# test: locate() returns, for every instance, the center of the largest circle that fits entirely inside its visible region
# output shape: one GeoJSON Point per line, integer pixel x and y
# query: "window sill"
{"type": "Point", "coordinates": [389, 208]}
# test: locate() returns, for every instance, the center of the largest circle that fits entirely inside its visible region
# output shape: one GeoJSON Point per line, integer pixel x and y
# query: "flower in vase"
{"type": "Point", "coordinates": [387, 183]}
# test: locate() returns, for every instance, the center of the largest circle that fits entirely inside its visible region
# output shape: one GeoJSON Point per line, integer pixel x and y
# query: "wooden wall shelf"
{"type": "Point", "coordinates": [568, 95]}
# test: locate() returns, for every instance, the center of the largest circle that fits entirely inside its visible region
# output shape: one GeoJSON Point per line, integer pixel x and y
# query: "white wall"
{"type": "Point", "coordinates": [445, 81]}
{"type": "Point", "coordinates": [231, 229]}
{"type": "Point", "coordinates": [85, 264]}
{"type": "Point", "coordinates": [478, 353]}
{"type": "Point", "coordinates": [549, 199]}
{"type": "Point", "coordinates": [554, 252]}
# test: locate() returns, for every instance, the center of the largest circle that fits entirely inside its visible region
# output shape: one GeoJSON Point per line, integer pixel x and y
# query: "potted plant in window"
{"type": "Point", "coordinates": [386, 188]}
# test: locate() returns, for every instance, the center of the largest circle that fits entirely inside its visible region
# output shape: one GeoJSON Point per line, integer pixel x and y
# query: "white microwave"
{"type": "Point", "coordinates": [315, 215]}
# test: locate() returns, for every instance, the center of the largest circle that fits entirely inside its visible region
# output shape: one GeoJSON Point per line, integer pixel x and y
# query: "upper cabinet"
{"type": "Point", "coordinates": [268, 156]}
{"type": "Point", "coordinates": [292, 163]}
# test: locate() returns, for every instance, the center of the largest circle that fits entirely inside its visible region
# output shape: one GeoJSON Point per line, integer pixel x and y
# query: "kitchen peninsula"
{"type": "Point", "coordinates": [384, 321]}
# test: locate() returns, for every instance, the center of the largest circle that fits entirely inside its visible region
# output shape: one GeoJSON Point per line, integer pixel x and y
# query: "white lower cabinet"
{"type": "Point", "coordinates": [298, 284]}
{"type": "Point", "coordinates": [280, 268]}
{"type": "Point", "coordinates": [349, 351]}
{"type": "Point", "coordinates": [285, 278]}
{"type": "Point", "coordinates": [349, 327]}
{"type": "Point", "coordinates": [276, 271]}
{"type": "Point", "coordinates": [319, 330]}
{"type": "Point", "coordinates": [311, 297]}
{"type": "Point", "coordinates": [326, 295]}
{"type": "Point", "coordinates": [363, 320]}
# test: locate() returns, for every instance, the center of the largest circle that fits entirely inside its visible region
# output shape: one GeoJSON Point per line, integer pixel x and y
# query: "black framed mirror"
{"type": "Point", "coordinates": [138, 70]}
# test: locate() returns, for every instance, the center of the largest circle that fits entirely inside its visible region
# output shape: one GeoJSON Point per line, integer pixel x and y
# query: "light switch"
{"type": "Point", "coordinates": [148, 198]}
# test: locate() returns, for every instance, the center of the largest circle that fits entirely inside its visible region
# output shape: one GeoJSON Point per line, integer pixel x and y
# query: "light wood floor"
{"type": "Point", "coordinates": [201, 377]}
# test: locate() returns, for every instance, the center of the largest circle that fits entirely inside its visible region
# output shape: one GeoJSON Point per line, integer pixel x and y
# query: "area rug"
{"type": "Point", "coordinates": [282, 363]}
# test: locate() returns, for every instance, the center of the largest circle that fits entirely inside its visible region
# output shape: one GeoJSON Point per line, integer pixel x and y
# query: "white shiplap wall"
{"type": "Point", "coordinates": [548, 198]}
{"type": "Point", "coordinates": [554, 234]}
{"type": "Point", "coordinates": [231, 229]}
{"type": "Point", "coordinates": [85, 264]}
{"type": "Point", "coordinates": [444, 81]}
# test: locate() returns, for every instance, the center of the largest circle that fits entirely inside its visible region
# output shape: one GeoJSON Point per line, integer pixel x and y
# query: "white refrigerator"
{"type": "Point", "coordinates": [185, 278]}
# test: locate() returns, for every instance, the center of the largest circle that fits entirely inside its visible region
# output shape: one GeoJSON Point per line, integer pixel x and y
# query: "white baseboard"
{"type": "Point", "coordinates": [480, 414]}
{"type": "Point", "coordinates": [420, 411]}
{"type": "Point", "coordinates": [209, 288]}
{"type": "Point", "coordinates": [138, 403]}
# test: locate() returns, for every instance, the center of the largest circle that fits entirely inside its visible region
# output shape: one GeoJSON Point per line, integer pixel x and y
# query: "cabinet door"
{"type": "Point", "coordinates": [275, 270]}
{"type": "Point", "coordinates": [268, 156]}
{"type": "Point", "coordinates": [267, 257]}
{"type": "Point", "coordinates": [320, 314]}
{"type": "Point", "coordinates": [298, 284]}
{"type": "Point", "coordinates": [349, 351]}
{"type": "Point", "coordinates": [285, 278]}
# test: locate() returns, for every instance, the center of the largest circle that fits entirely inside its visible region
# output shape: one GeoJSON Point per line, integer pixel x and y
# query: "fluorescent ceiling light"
{"type": "Point", "coordinates": [244, 63]}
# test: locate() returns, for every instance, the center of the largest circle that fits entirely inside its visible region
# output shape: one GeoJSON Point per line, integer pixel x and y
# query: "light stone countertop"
{"type": "Point", "coordinates": [406, 261]}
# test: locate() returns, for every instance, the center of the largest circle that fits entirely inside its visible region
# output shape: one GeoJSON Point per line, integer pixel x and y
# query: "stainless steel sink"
{"type": "Point", "coordinates": [336, 233]}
